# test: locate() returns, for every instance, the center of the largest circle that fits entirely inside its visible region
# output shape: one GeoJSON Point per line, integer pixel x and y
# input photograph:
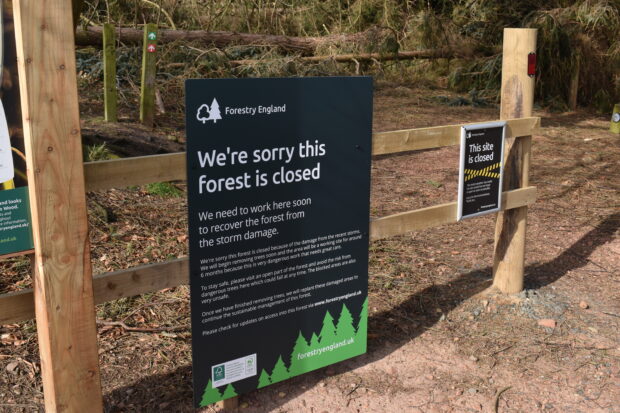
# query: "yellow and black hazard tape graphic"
{"type": "Point", "coordinates": [486, 172]}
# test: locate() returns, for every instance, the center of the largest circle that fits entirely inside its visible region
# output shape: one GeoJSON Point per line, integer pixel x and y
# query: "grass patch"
{"type": "Point", "coordinates": [93, 153]}
{"type": "Point", "coordinates": [164, 189]}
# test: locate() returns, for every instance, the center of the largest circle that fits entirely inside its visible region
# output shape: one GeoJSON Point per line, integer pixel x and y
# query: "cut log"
{"type": "Point", "coordinates": [127, 140]}
{"type": "Point", "coordinates": [93, 36]}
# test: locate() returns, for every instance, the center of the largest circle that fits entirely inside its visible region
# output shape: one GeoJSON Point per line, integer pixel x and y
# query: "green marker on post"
{"type": "Point", "coordinates": [152, 36]}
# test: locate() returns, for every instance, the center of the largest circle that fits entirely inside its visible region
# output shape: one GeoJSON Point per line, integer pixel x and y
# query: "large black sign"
{"type": "Point", "coordinates": [480, 180]}
{"type": "Point", "coordinates": [278, 193]}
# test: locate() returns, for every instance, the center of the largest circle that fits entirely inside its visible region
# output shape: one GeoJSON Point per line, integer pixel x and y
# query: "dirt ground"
{"type": "Point", "coordinates": [439, 339]}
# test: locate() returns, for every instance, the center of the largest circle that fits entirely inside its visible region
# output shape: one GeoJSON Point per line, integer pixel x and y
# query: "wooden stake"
{"type": "Point", "coordinates": [573, 90]}
{"type": "Point", "coordinates": [62, 278]}
{"type": "Point", "coordinates": [149, 71]}
{"type": "Point", "coordinates": [109, 73]}
{"type": "Point", "coordinates": [229, 405]}
{"type": "Point", "coordinates": [517, 100]}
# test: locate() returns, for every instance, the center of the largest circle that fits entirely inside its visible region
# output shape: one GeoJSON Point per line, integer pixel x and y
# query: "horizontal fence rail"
{"type": "Point", "coordinates": [119, 173]}
{"type": "Point", "coordinates": [19, 306]}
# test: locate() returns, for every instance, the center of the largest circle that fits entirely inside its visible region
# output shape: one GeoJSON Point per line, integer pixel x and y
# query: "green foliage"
{"type": "Point", "coordinates": [89, 64]}
{"type": "Point", "coordinates": [574, 35]}
{"type": "Point", "coordinates": [164, 189]}
{"type": "Point", "coordinates": [482, 74]}
{"type": "Point", "coordinates": [100, 152]}
{"type": "Point", "coordinates": [580, 37]}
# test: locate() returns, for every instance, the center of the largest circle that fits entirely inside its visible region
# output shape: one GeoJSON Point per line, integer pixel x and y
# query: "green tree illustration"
{"type": "Point", "coordinates": [229, 392]}
{"type": "Point", "coordinates": [328, 332]}
{"type": "Point", "coordinates": [361, 336]}
{"type": "Point", "coordinates": [314, 342]}
{"type": "Point", "coordinates": [297, 365]}
{"type": "Point", "coordinates": [344, 327]}
{"type": "Point", "coordinates": [362, 326]}
{"type": "Point", "coordinates": [280, 372]}
{"type": "Point", "coordinates": [210, 395]}
{"type": "Point", "coordinates": [263, 379]}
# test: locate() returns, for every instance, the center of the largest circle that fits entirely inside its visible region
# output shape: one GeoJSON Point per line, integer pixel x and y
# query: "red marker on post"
{"type": "Point", "coordinates": [531, 64]}
{"type": "Point", "coordinates": [151, 48]}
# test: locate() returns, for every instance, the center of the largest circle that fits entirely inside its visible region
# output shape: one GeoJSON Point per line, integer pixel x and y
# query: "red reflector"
{"type": "Point", "coordinates": [531, 64]}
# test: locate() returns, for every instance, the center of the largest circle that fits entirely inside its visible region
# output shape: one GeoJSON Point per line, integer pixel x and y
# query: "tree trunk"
{"type": "Point", "coordinates": [128, 140]}
{"type": "Point", "coordinates": [368, 57]}
{"type": "Point", "coordinates": [93, 36]}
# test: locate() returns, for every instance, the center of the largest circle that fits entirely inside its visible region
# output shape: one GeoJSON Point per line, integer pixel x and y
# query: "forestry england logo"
{"type": "Point", "coordinates": [206, 113]}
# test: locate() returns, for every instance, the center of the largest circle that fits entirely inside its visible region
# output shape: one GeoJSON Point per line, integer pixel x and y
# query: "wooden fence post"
{"type": "Point", "coordinates": [109, 73]}
{"type": "Point", "coordinates": [149, 71]}
{"type": "Point", "coordinates": [517, 100]}
{"type": "Point", "coordinates": [229, 405]}
{"type": "Point", "coordinates": [62, 278]}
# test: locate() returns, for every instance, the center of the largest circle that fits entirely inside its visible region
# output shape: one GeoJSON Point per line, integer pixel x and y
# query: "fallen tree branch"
{"type": "Point", "coordinates": [93, 36]}
{"type": "Point", "coordinates": [365, 57]}
{"type": "Point", "coordinates": [125, 327]}
{"type": "Point", "coordinates": [499, 395]}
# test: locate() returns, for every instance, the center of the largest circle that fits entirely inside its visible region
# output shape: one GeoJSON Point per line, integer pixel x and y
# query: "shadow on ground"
{"type": "Point", "coordinates": [173, 391]}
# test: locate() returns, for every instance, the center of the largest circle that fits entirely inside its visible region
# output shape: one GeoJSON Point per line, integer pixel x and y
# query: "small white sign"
{"type": "Point", "coordinates": [6, 156]}
{"type": "Point", "coordinates": [234, 370]}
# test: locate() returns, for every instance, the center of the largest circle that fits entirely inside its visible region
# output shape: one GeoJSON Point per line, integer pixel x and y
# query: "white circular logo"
{"type": "Point", "coordinates": [615, 117]}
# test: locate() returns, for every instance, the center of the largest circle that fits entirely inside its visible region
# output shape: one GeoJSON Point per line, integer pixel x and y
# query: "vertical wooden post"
{"type": "Point", "coordinates": [62, 278]}
{"type": "Point", "coordinates": [517, 100]}
{"type": "Point", "coordinates": [573, 90]}
{"type": "Point", "coordinates": [229, 405]}
{"type": "Point", "coordinates": [149, 71]}
{"type": "Point", "coordinates": [109, 73]}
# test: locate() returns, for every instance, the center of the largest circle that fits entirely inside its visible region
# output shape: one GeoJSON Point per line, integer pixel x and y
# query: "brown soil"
{"type": "Point", "coordinates": [439, 339]}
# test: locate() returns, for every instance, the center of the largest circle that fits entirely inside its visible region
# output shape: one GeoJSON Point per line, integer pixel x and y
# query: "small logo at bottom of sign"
{"type": "Point", "coordinates": [219, 372]}
{"type": "Point", "coordinates": [615, 117]}
{"type": "Point", "coordinates": [233, 370]}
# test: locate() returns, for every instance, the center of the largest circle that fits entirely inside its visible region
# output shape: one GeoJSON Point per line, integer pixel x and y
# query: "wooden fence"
{"type": "Point", "coordinates": [64, 292]}
{"type": "Point", "coordinates": [118, 173]}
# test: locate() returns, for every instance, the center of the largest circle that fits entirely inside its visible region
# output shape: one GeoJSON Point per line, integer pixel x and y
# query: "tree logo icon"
{"type": "Point", "coordinates": [206, 113]}
{"type": "Point", "coordinates": [219, 372]}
